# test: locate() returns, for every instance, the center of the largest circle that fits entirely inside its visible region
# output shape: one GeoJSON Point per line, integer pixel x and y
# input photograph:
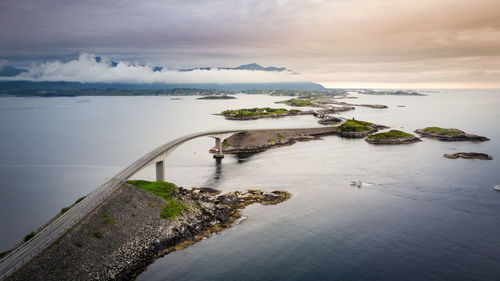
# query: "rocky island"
{"type": "Point", "coordinates": [257, 113]}
{"type": "Point", "coordinates": [357, 129]}
{"type": "Point", "coordinates": [299, 102]}
{"type": "Point", "coordinates": [138, 223]}
{"type": "Point", "coordinates": [262, 140]}
{"type": "Point", "coordinates": [343, 103]}
{"type": "Point", "coordinates": [449, 134]}
{"type": "Point", "coordinates": [392, 93]}
{"type": "Point", "coordinates": [217, 97]}
{"type": "Point", "coordinates": [392, 137]}
{"type": "Point", "coordinates": [469, 155]}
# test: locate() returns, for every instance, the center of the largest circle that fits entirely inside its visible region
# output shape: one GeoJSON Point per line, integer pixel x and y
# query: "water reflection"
{"type": "Point", "coordinates": [243, 157]}
{"type": "Point", "coordinates": [216, 176]}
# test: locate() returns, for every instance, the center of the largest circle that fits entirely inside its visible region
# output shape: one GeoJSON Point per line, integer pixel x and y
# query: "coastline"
{"type": "Point", "coordinates": [125, 234]}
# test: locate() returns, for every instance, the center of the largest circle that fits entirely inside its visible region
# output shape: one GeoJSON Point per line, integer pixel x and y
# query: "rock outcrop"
{"type": "Point", "coordinates": [261, 140]}
{"type": "Point", "coordinates": [469, 155]}
{"type": "Point", "coordinates": [392, 137]}
{"type": "Point", "coordinates": [449, 134]}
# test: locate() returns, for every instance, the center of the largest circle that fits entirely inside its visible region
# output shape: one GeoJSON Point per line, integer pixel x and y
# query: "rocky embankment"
{"type": "Point", "coordinates": [125, 234]}
{"type": "Point", "coordinates": [261, 140]}
{"type": "Point", "coordinates": [449, 134]}
{"type": "Point", "coordinates": [469, 155]}
{"type": "Point", "coordinates": [392, 137]}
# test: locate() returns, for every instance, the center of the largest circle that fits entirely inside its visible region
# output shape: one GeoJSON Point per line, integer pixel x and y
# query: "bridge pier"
{"type": "Point", "coordinates": [160, 171]}
{"type": "Point", "coordinates": [218, 149]}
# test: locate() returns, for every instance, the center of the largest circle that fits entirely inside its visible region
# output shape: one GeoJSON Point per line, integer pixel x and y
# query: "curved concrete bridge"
{"type": "Point", "coordinates": [57, 228]}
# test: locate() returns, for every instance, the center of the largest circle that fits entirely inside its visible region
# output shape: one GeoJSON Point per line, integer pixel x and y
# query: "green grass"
{"type": "Point", "coordinates": [270, 140]}
{"type": "Point", "coordinates": [355, 126]}
{"type": "Point", "coordinates": [64, 210]}
{"type": "Point", "coordinates": [442, 131]}
{"type": "Point", "coordinates": [279, 136]}
{"type": "Point", "coordinates": [163, 190]}
{"type": "Point", "coordinates": [3, 254]}
{"type": "Point", "coordinates": [96, 233]}
{"type": "Point", "coordinates": [298, 102]}
{"type": "Point", "coordinates": [80, 199]}
{"type": "Point", "coordinates": [29, 236]}
{"type": "Point", "coordinates": [256, 112]}
{"type": "Point", "coordinates": [171, 210]}
{"type": "Point", "coordinates": [106, 219]}
{"type": "Point", "coordinates": [392, 134]}
{"type": "Point", "coordinates": [225, 144]}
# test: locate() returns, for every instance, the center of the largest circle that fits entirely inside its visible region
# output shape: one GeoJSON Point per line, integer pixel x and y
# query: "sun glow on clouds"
{"type": "Point", "coordinates": [87, 69]}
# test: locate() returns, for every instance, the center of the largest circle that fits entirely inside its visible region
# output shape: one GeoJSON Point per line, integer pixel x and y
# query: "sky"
{"type": "Point", "coordinates": [338, 43]}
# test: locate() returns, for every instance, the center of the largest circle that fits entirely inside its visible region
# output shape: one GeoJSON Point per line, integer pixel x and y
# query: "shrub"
{"type": "Point", "coordinates": [29, 236]}
{"type": "Point", "coordinates": [97, 233]}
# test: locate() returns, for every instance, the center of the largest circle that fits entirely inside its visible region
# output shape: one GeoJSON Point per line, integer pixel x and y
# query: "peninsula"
{"type": "Point", "coordinates": [140, 222]}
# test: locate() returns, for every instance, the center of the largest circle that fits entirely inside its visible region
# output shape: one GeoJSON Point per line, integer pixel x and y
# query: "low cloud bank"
{"type": "Point", "coordinates": [87, 69]}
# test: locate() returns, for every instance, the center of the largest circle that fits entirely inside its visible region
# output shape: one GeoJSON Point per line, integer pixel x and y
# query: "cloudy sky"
{"type": "Point", "coordinates": [339, 43]}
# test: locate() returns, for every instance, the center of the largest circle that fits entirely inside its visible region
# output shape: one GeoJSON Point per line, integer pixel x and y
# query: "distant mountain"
{"type": "Point", "coordinates": [9, 71]}
{"type": "Point", "coordinates": [114, 64]}
{"type": "Point", "coordinates": [30, 88]}
{"type": "Point", "coordinates": [250, 66]}
{"type": "Point", "coordinates": [254, 66]}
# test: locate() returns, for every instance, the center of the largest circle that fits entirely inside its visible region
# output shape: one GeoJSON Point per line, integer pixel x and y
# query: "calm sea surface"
{"type": "Point", "coordinates": [421, 217]}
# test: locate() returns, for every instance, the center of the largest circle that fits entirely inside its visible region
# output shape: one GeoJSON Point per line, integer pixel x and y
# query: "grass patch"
{"type": "Point", "coordinates": [298, 102]}
{"type": "Point", "coordinates": [279, 136]}
{"type": "Point", "coordinates": [355, 126]}
{"type": "Point", "coordinates": [80, 199]}
{"type": "Point", "coordinates": [64, 210]}
{"type": "Point", "coordinates": [442, 131]}
{"type": "Point", "coordinates": [392, 134]}
{"type": "Point", "coordinates": [172, 209]}
{"type": "Point", "coordinates": [96, 233]}
{"type": "Point", "coordinates": [163, 190]}
{"type": "Point", "coordinates": [256, 112]}
{"type": "Point", "coordinates": [225, 144]}
{"type": "Point", "coordinates": [3, 254]}
{"type": "Point", "coordinates": [270, 140]}
{"type": "Point", "coordinates": [29, 236]}
{"type": "Point", "coordinates": [106, 219]}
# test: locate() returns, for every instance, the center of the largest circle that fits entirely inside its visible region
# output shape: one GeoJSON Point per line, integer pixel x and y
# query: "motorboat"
{"type": "Point", "coordinates": [356, 183]}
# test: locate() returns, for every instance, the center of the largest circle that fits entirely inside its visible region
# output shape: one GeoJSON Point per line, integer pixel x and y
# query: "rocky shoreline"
{"type": "Point", "coordinates": [469, 155]}
{"type": "Point", "coordinates": [125, 234]}
{"type": "Point", "coordinates": [262, 140]}
{"type": "Point", "coordinates": [402, 140]}
{"type": "Point", "coordinates": [392, 137]}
